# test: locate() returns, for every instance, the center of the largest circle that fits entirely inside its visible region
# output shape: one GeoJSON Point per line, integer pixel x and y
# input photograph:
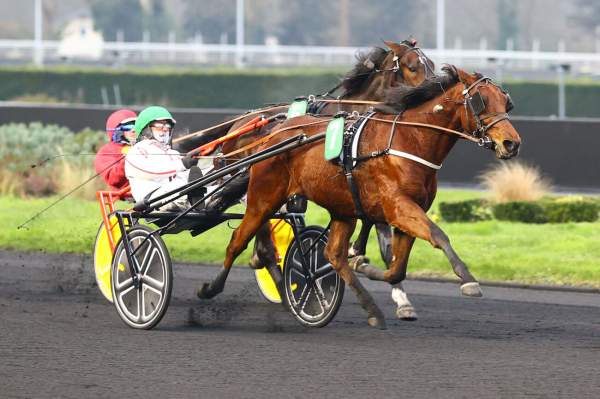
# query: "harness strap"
{"type": "Point", "coordinates": [414, 158]}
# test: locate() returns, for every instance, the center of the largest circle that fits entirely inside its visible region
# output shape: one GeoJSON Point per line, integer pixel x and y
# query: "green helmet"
{"type": "Point", "coordinates": [150, 114]}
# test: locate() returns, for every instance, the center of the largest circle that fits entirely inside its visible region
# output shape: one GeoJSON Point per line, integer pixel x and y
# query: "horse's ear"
{"type": "Point", "coordinates": [398, 49]}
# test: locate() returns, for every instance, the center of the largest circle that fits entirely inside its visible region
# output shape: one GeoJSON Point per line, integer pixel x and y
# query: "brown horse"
{"type": "Point", "coordinates": [373, 74]}
{"type": "Point", "coordinates": [396, 185]}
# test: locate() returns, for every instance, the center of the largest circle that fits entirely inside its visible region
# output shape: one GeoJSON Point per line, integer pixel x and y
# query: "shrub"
{"type": "Point", "coordinates": [520, 211]}
{"type": "Point", "coordinates": [566, 210]}
{"type": "Point", "coordinates": [514, 181]}
{"type": "Point", "coordinates": [22, 146]}
{"type": "Point", "coordinates": [465, 211]}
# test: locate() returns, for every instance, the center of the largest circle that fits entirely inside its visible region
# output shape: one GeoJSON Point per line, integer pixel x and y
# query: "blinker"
{"type": "Point", "coordinates": [477, 103]}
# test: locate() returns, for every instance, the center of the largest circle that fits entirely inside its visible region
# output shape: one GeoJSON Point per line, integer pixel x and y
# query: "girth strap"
{"type": "Point", "coordinates": [349, 161]}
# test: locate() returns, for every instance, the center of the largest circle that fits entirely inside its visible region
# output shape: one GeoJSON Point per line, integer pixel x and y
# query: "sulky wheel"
{"type": "Point", "coordinates": [142, 305]}
{"type": "Point", "coordinates": [313, 299]}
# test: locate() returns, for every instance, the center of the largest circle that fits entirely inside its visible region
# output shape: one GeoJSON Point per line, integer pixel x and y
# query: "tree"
{"type": "Point", "coordinates": [508, 23]}
{"type": "Point", "coordinates": [111, 16]}
{"type": "Point", "coordinates": [128, 16]}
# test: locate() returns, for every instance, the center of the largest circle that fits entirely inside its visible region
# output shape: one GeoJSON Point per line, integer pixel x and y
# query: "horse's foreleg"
{"type": "Point", "coordinates": [337, 253]}
{"type": "Point", "coordinates": [407, 216]}
{"type": "Point", "coordinates": [401, 247]}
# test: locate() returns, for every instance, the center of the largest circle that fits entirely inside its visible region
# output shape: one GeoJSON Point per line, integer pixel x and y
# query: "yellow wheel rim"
{"type": "Point", "coordinates": [282, 235]}
{"type": "Point", "coordinates": [103, 256]}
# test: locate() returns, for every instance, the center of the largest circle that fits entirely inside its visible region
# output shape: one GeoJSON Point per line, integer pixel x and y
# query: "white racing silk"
{"type": "Point", "coordinates": [151, 165]}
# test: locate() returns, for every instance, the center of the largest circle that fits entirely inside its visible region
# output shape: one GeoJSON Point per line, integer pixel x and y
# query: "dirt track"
{"type": "Point", "coordinates": [60, 338]}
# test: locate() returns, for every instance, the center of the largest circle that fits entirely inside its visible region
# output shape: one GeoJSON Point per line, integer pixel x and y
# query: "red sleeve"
{"type": "Point", "coordinates": [110, 163]}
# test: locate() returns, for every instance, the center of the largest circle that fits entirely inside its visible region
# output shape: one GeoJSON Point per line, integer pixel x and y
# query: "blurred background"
{"type": "Point", "coordinates": [70, 62]}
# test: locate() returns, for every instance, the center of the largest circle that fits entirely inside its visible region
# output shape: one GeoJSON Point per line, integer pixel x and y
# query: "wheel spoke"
{"type": "Point", "coordinates": [140, 297]}
{"type": "Point", "coordinates": [125, 285]}
{"type": "Point", "coordinates": [153, 283]}
{"type": "Point", "coordinates": [124, 308]}
{"type": "Point", "coordinates": [324, 271]}
{"type": "Point", "coordinates": [148, 258]}
{"type": "Point", "coordinates": [321, 296]}
{"type": "Point", "coordinates": [304, 297]}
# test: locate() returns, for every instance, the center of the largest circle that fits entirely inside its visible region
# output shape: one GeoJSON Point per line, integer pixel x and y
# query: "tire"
{"type": "Point", "coordinates": [311, 311]}
{"type": "Point", "coordinates": [142, 307]}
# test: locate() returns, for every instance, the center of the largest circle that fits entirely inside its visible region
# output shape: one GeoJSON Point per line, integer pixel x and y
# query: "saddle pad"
{"type": "Point", "coordinates": [334, 138]}
{"type": "Point", "coordinates": [297, 108]}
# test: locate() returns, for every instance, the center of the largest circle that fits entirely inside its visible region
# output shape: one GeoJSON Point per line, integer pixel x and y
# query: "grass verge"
{"type": "Point", "coordinates": [566, 254]}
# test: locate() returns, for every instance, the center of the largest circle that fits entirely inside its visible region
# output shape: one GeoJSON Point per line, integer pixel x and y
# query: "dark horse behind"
{"type": "Point", "coordinates": [393, 188]}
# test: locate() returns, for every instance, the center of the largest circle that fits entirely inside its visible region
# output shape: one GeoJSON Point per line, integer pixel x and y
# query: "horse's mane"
{"type": "Point", "coordinates": [366, 63]}
{"type": "Point", "coordinates": [403, 97]}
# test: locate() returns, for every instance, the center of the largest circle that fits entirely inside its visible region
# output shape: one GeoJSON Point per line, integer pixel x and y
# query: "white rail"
{"type": "Point", "coordinates": [123, 53]}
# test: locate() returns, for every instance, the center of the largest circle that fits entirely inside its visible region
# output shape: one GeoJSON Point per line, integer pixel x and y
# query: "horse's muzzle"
{"type": "Point", "coordinates": [508, 149]}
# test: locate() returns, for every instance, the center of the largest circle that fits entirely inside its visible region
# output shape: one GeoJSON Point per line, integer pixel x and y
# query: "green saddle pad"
{"type": "Point", "coordinates": [297, 108]}
{"type": "Point", "coordinates": [334, 138]}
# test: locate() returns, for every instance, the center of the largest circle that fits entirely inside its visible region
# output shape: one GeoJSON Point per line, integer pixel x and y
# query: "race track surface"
{"type": "Point", "coordinates": [60, 338]}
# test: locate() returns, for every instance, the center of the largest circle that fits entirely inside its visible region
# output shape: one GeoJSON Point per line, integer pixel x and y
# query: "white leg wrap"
{"type": "Point", "coordinates": [399, 296]}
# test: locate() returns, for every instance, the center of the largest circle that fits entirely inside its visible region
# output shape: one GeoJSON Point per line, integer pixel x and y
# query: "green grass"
{"type": "Point", "coordinates": [541, 254]}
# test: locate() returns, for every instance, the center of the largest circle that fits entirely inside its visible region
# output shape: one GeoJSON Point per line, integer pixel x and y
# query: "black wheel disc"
{"type": "Point", "coordinates": [313, 299]}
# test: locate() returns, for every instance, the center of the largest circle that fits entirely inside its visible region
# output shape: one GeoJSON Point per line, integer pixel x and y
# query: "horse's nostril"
{"type": "Point", "coordinates": [510, 146]}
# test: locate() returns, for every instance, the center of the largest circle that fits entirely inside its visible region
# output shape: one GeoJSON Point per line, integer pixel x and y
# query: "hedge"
{"type": "Point", "coordinates": [201, 88]}
{"type": "Point", "coordinates": [549, 210]}
{"type": "Point", "coordinates": [464, 211]}
{"type": "Point", "coordinates": [230, 88]}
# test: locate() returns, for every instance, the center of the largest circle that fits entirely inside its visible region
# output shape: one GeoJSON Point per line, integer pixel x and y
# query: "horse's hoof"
{"type": "Point", "coordinates": [406, 313]}
{"type": "Point", "coordinates": [204, 292]}
{"type": "Point", "coordinates": [471, 289]}
{"type": "Point", "coordinates": [377, 322]}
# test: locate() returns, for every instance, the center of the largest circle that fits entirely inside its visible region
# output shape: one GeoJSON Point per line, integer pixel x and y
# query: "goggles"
{"type": "Point", "coordinates": [161, 125]}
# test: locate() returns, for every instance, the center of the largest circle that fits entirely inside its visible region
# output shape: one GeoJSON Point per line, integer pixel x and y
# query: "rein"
{"type": "Point", "coordinates": [231, 121]}
{"type": "Point", "coordinates": [268, 137]}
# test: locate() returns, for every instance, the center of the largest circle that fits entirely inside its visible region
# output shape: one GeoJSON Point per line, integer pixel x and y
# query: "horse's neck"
{"type": "Point", "coordinates": [438, 143]}
{"type": "Point", "coordinates": [375, 89]}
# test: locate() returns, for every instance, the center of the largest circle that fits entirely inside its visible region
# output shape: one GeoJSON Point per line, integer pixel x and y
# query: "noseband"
{"type": "Point", "coordinates": [475, 105]}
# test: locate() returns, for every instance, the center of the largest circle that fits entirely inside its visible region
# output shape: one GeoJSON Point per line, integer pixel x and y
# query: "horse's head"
{"type": "Point", "coordinates": [412, 65]}
{"type": "Point", "coordinates": [382, 69]}
{"type": "Point", "coordinates": [485, 116]}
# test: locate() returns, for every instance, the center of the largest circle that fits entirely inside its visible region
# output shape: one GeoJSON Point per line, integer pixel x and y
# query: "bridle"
{"type": "Point", "coordinates": [429, 72]}
{"type": "Point", "coordinates": [475, 105]}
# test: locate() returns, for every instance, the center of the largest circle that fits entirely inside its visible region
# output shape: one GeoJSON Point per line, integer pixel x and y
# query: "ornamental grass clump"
{"type": "Point", "coordinates": [514, 181]}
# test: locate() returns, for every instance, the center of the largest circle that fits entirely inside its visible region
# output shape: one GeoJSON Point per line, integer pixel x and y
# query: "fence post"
{"type": "Point", "coordinates": [38, 51]}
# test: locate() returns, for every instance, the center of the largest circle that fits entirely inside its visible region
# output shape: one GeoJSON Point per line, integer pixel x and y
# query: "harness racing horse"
{"type": "Point", "coordinates": [373, 74]}
{"type": "Point", "coordinates": [396, 181]}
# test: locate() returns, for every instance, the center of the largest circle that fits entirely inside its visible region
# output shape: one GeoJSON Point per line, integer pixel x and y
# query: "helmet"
{"type": "Point", "coordinates": [150, 114]}
{"type": "Point", "coordinates": [118, 118]}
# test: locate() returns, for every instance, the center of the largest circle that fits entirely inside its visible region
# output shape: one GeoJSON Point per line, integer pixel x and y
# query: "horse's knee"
{"type": "Point", "coordinates": [394, 277]}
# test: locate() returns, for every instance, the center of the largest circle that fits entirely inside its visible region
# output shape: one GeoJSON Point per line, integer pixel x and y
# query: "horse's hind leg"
{"type": "Point", "coordinates": [407, 216]}
{"type": "Point", "coordinates": [337, 253]}
{"type": "Point", "coordinates": [265, 255]}
{"type": "Point", "coordinates": [263, 200]}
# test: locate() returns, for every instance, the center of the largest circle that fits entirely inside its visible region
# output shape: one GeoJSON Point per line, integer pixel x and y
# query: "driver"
{"type": "Point", "coordinates": [152, 166]}
{"type": "Point", "coordinates": [110, 159]}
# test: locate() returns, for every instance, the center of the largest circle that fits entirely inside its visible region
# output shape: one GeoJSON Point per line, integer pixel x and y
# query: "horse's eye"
{"type": "Point", "coordinates": [412, 68]}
